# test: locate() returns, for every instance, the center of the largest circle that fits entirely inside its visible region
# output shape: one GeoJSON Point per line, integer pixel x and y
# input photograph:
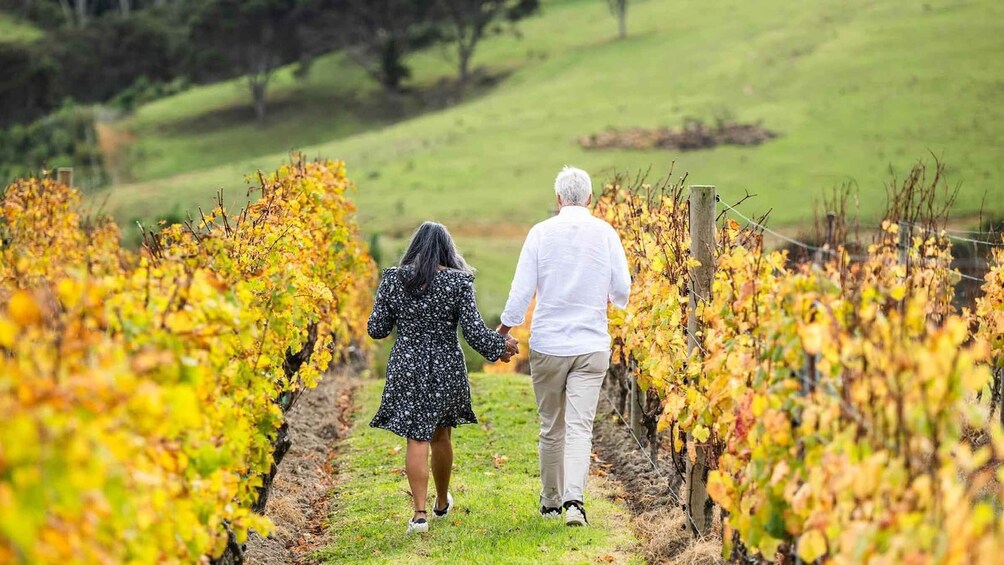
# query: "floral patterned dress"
{"type": "Point", "coordinates": [427, 386]}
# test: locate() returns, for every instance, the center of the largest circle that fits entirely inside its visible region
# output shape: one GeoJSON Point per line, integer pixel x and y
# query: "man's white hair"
{"type": "Point", "coordinates": [573, 186]}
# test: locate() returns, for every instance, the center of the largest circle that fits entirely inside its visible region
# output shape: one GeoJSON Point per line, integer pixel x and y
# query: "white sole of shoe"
{"type": "Point", "coordinates": [574, 518]}
{"type": "Point", "coordinates": [555, 512]}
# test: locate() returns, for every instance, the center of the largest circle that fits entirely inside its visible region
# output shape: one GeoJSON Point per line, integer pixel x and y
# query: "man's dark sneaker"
{"type": "Point", "coordinates": [550, 512]}
{"type": "Point", "coordinates": [575, 514]}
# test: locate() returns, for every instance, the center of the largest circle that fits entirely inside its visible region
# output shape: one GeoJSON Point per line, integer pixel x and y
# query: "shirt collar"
{"type": "Point", "coordinates": [574, 210]}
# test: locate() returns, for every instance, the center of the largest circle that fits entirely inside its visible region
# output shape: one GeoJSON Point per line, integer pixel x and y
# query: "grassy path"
{"type": "Point", "coordinates": [495, 485]}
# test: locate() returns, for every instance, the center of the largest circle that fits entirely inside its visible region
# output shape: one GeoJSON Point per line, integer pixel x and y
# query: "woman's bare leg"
{"type": "Point", "coordinates": [416, 465]}
{"type": "Point", "coordinates": [442, 464]}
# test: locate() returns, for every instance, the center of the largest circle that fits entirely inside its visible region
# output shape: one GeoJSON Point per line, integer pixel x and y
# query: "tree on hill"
{"type": "Point", "coordinates": [86, 64]}
{"type": "Point", "coordinates": [379, 34]}
{"type": "Point", "coordinates": [53, 14]}
{"type": "Point", "coordinates": [250, 38]}
{"type": "Point", "coordinates": [619, 9]}
{"type": "Point", "coordinates": [466, 22]}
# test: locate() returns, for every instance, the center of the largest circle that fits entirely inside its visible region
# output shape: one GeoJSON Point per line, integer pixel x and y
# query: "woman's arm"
{"type": "Point", "coordinates": [485, 341]}
{"type": "Point", "coordinates": [382, 318]}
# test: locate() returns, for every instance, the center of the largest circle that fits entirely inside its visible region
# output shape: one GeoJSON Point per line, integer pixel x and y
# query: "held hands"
{"type": "Point", "coordinates": [511, 347]}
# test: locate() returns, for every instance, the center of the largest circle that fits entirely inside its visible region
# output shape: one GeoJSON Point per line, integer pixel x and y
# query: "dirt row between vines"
{"type": "Point", "coordinates": [650, 495]}
{"type": "Point", "coordinates": [300, 499]}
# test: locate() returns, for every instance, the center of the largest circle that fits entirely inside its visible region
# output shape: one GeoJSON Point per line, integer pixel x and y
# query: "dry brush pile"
{"type": "Point", "coordinates": [692, 136]}
{"type": "Point", "coordinates": [144, 393]}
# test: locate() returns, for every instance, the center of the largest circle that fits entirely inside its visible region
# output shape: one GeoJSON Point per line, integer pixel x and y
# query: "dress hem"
{"type": "Point", "coordinates": [399, 431]}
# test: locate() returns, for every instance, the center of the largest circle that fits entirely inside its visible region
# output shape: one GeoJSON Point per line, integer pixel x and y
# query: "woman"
{"type": "Point", "coordinates": [427, 392]}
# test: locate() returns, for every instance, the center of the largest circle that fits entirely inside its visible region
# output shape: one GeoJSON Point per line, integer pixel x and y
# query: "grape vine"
{"type": "Point", "coordinates": [838, 398]}
{"type": "Point", "coordinates": [143, 392]}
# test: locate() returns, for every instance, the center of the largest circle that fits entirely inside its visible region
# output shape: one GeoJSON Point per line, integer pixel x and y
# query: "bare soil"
{"type": "Point", "coordinates": [300, 498]}
{"type": "Point", "coordinates": [114, 144]}
{"type": "Point", "coordinates": [650, 495]}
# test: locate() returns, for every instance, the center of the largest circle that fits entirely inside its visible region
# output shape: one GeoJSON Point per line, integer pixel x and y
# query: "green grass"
{"type": "Point", "coordinates": [855, 88]}
{"type": "Point", "coordinates": [495, 520]}
{"type": "Point", "coordinates": [16, 30]}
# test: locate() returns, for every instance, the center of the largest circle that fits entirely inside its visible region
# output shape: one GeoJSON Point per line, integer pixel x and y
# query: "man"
{"type": "Point", "coordinates": [575, 264]}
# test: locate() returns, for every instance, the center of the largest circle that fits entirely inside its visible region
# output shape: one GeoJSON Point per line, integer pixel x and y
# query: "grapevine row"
{"type": "Point", "coordinates": [143, 392]}
{"type": "Point", "coordinates": [837, 403]}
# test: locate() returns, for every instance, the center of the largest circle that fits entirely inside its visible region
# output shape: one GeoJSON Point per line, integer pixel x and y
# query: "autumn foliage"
{"type": "Point", "coordinates": [839, 400]}
{"type": "Point", "coordinates": [142, 392]}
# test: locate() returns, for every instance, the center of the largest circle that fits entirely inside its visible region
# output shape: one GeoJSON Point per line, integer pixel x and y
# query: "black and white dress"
{"type": "Point", "coordinates": [427, 386]}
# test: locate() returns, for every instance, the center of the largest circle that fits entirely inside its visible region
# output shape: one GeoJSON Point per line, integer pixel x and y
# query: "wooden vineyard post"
{"type": "Point", "coordinates": [831, 218]}
{"type": "Point", "coordinates": [636, 411]}
{"type": "Point", "coordinates": [818, 257]}
{"type": "Point", "coordinates": [811, 377]}
{"type": "Point", "coordinates": [702, 248]}
{"type": "Point", "coordinates": [905, 242]}
{"type": "Point", "coordinates": [65, 175]}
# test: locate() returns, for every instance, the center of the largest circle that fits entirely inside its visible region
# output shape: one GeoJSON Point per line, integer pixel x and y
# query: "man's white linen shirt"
{"type": "Point", "coordinates": [575, 264]}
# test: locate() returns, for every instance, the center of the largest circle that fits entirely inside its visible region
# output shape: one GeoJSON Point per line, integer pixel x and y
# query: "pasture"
{"type": "Point", "coordinates": [857, 90]}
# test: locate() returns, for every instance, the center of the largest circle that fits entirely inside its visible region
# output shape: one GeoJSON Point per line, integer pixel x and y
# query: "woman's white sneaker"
{"type": "Point", "coordinates": [437, 513]}
{"type": "Point", "coordinates": [418, 526]}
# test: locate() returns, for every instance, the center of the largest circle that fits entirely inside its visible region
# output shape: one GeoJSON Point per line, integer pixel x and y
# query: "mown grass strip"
{"type": "Point", "coordinates": [495, 485]}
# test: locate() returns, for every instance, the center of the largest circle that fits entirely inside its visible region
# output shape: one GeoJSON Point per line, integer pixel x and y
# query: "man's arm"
{"type": "Point", "coordinates": [620, 274]}
{"type": "Point", "coordinates": [524, 285]}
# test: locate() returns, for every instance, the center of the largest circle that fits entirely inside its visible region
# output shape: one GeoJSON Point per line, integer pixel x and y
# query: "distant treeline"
{"type": "Point", "coordinates": [99, 51]}
{"type": "Point", "coordinates": [64, 137]}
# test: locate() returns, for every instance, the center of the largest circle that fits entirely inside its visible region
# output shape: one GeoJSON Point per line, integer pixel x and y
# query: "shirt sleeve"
{"type": "Point", "coordinates": [620, 274]}
{"type": "Point", "coordinates": [489, 343]}
{"type": "Point", "coordinates": [383, 317]}
{"type": "Point", "coordinates": [524, 284]}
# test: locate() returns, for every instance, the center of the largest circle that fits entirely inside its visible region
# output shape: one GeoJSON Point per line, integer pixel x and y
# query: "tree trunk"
{"type": "Point", "coordinates": [622, 18]}
{"type": "Point", "coordinates": [282, 444]}
{"type": "Point", "coordinates": [464, 60]}
{"type": "Point", "coordinates": [67, 11]}
{"type": "Point", "coordinates": [258, 85]}
{"type": "Point", "coordinates": [81, 9]}
{"type": "Point", "coordinates": [124, 8]}
{"type": "Point", "coordinates": [392, 72]}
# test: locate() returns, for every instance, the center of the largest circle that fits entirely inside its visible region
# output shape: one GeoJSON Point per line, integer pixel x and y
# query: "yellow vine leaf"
{"type": "Point", "coordinates": [811, 546]}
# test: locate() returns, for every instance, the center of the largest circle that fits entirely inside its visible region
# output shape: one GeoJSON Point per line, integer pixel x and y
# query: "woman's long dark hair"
{"type": "Point", "coordinates": [430, 247]}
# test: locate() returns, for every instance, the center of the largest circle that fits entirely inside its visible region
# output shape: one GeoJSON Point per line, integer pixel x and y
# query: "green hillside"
{"type": "Point", "coordinates": [15, 30]}
{"type": "Point", "coordinates": [855, 88]}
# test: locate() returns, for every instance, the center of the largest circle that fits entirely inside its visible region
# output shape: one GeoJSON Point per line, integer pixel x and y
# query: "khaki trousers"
{"type": "Point", "coordinates": [567, 391]}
